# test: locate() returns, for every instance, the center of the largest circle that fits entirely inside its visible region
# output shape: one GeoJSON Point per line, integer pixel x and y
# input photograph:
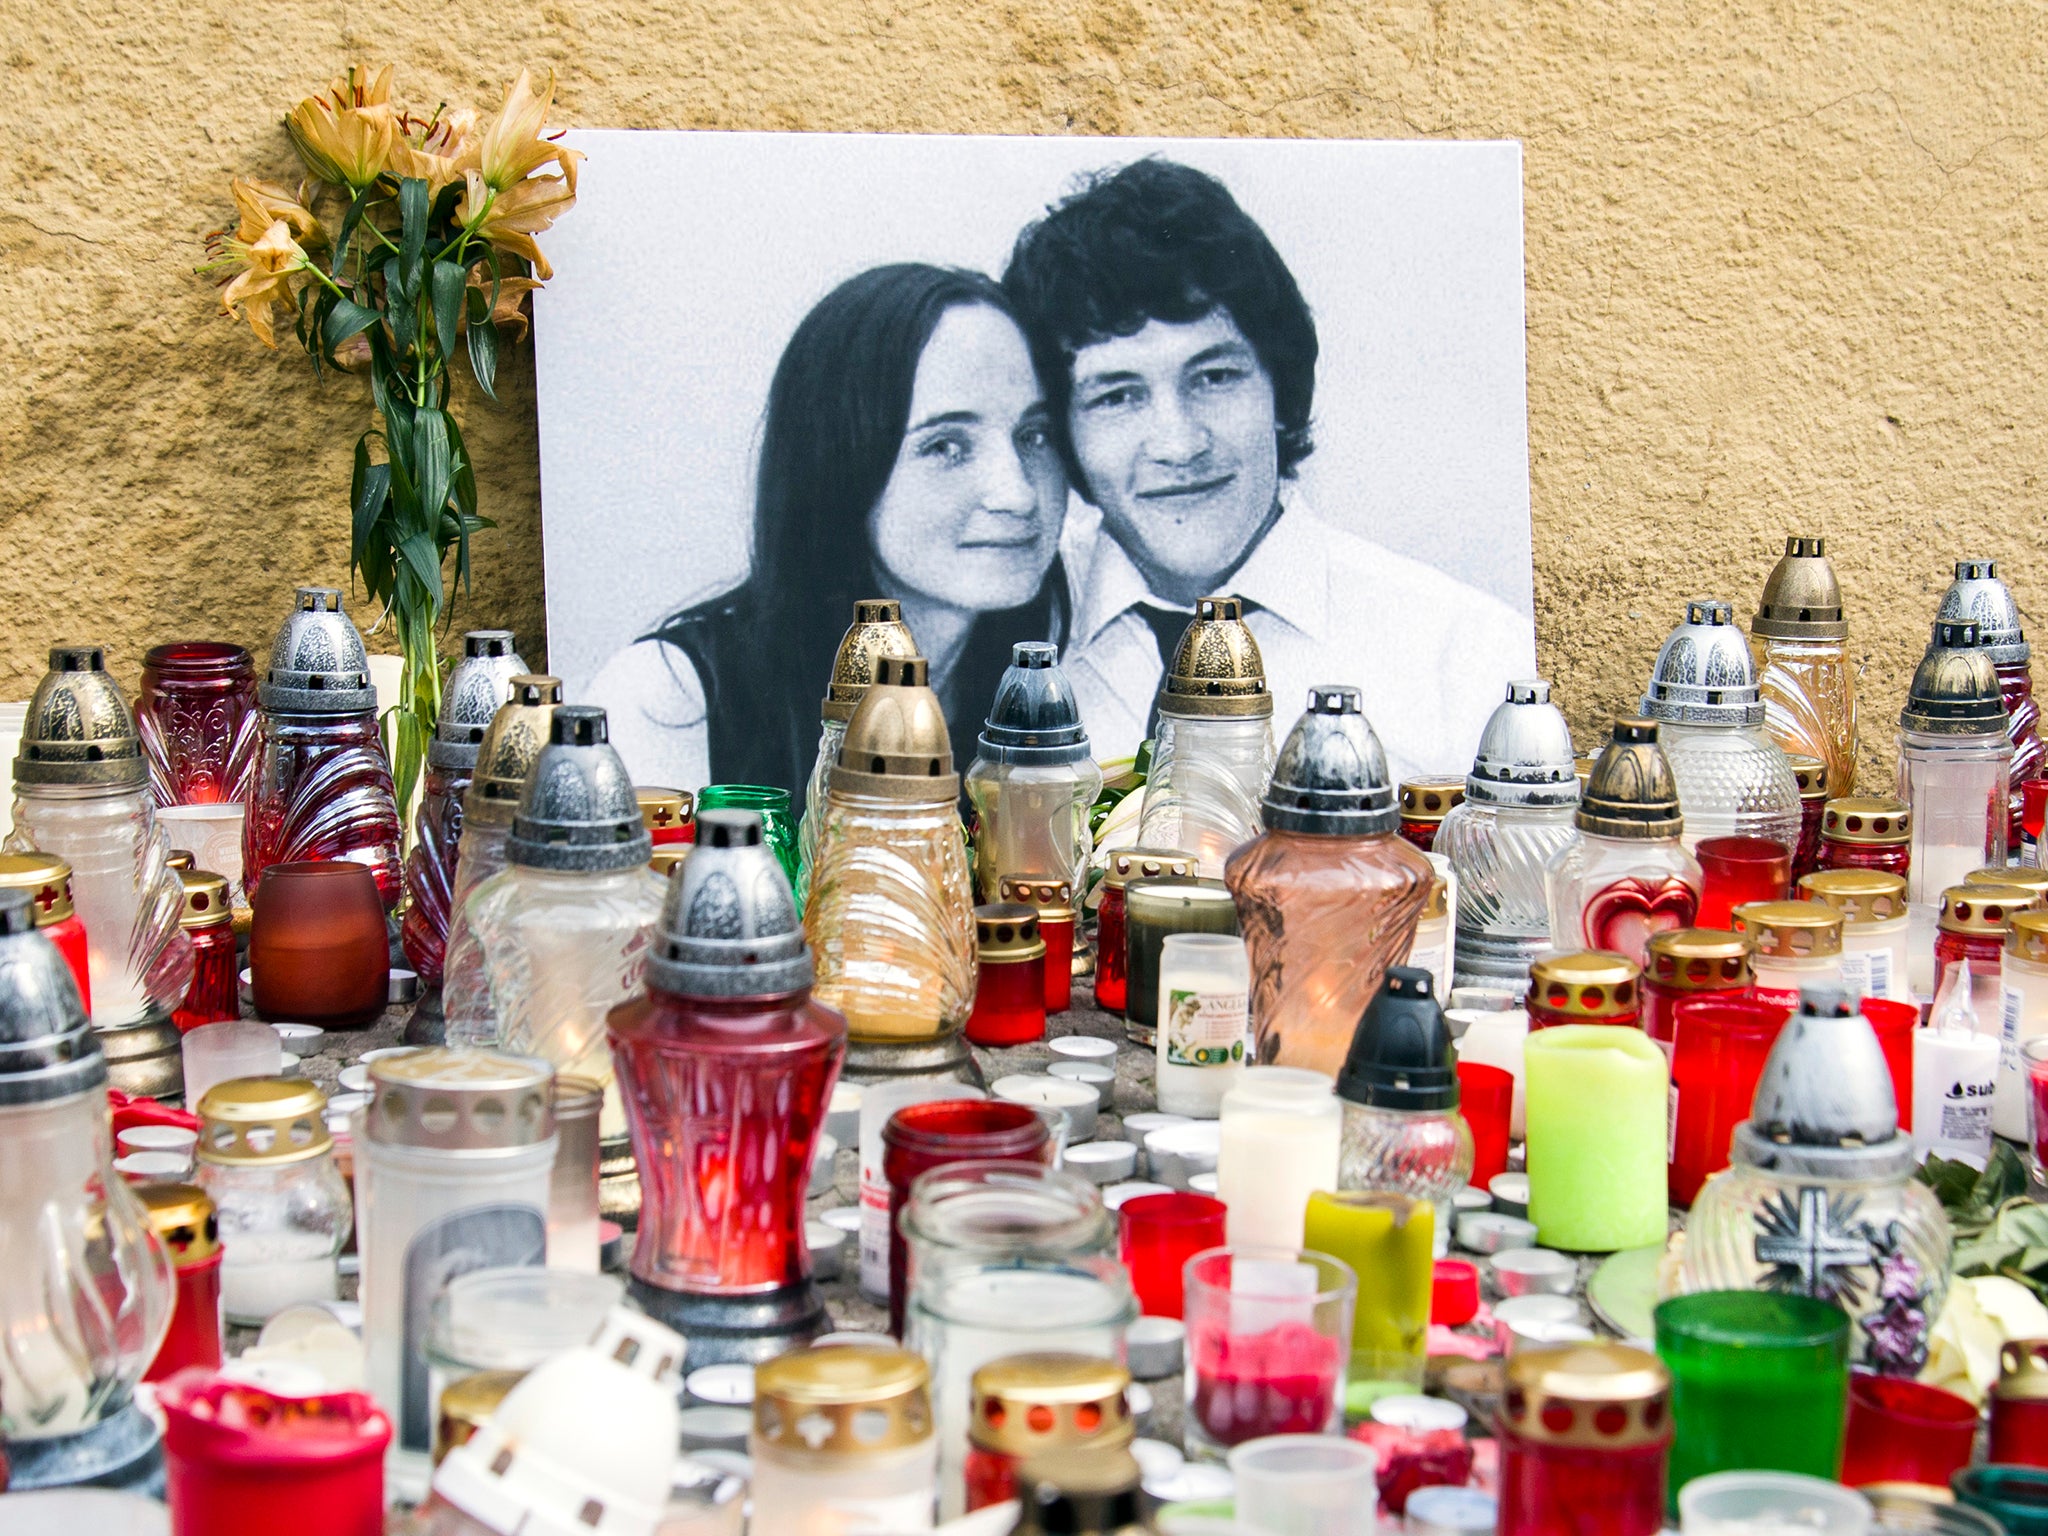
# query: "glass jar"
{"type": "Point", "coordinates": [451, 1164]}
{"type": "Point", "coordinates": [47, 880]}
{"type": "Point", "coordinates": [1399, 1090]}
{"type": "Point", "coordinates": [877, 630]}
{"type": "Point", "coordinates": [1053, 900]}
{"type": "Point", "coordinates": [2033, 821]}
{"type": "Point", "coordinates": [1874, 924]}
{"type": "Point", "coordinates": [1153, 909]}
{"type": "Point", "coordinates": [1009, 984]}
{"type": "Point", "coordinates": [1598, 1138]}
{"type": "Point", "coordinates": [1005, 1259]}
{"type": "Point", "coordinates": [1424, 805]}
{"type": "Point", "coordinates": [322, 788]}
{"type": "Point", "coordinates": [1720, 1044]}
{"type": "Point", "coordinates": [879, 1102]}
{"type": "Point", "coordinates": [2019, 1405]}
{"type": "Point", "coordinates": [1027, 1405]}
{"type": "Point", "coordinates": [2023, 1016]}
{"type": "Point", "coordinates": [1955, 762]}
{"type": "Point", "coordinates": [1970, 925]}
{"type": "Point", "coordinates": [1329, 894]}
{"type": "Point", "coordinates": [1111, 919]}
{"type": "Point", "coordinates": [1979, 595]}
{"type": "Point", "coordinates": [574, 1241]}
{"type": "Point", "coordinates": [1434, 947]}
{"type": "Point", "coordinates": [1798, 944]}
{"type": "Point", "coordinates": [1584, 1428]}
{"type": "Point", "coordinates": [1738, 870]}
{"type": "Point", "coordinates": [1204, 1009]}
{"type": "Point", "coordinates": [267, 1160]}
{"type": "Point", "coordinates": [240, 1458]}
{"type": "Point", "coordinates": [843, 1442]}
{"type": "Point", "coordinates": [1866, 832]}
{"type": "Point", "coordinates": [196, 716]}
{"type": "Point", "coordinates": [318, 948]}
{"type": "Point", "coordinates": [1587, 987]}
{"type": "Point", "coordinates": [184, 1221]}
{"type": "Point", "coordinates": [209, 926]}
{"type": "Point", "coordinates": [1685, 963]}
{"type": "Point", "coordinates": [1268, 1344]}
{"type": "Point", "coordinates": [1388, 1239]}
{"type": "Point", "coordinates": [1033, 780]}
{"type": "Point", "coordinates": [772, 805]}
{"type": "Point", "coordinates": [1282, 1135]}
{"type": "Point", "coordinates": [1213, 753]}
{"type": "Point", "coordinates": [1800, 644]}
{"type": "Point", "coordinates": [1812, 777]}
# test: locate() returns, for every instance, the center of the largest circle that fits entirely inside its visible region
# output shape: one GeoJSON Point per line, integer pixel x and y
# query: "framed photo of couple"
{"type": "Point", "coordinates": [1033, 388]}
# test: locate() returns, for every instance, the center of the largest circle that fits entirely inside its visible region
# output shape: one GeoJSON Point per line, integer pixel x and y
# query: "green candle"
{"type": "Point", "coordinates": [1758, 1381]}
{"type": "Point", "coordinates": [1388, 1239]}
{"type": "Point", "coordinates": [1596, 1137]}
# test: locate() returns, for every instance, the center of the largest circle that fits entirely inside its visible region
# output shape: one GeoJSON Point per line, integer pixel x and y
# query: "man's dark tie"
{"type": "Point", "coordinates": [1167, 627]}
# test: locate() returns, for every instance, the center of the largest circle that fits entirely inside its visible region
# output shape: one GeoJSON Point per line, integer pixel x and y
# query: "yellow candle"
{"type": "Point", "coordinates": [1389, 1239]}
{"type": "Point", "coordinates": [1597, 1137]}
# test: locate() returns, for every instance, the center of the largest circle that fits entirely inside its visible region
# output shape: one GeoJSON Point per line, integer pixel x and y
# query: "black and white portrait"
{"type": "Point", "coordinates": [1033, 389]}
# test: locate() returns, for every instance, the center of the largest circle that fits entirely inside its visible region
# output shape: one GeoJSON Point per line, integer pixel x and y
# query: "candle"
{"type": "Point", "coordinates": [1496, 1038]}
{"type": "Point", "coordinates": [1955, 1080]}
{"type": "Point", "coordinates": [1687, 963]}
{"type": "Point", "coordinates": [1584, 1428]}
{"type": "Point", "coordinates": [238, 1458]}
{"type": "Point", "coordinates": [1866, 832]}
{"type": "Point", "coordinates": [1873, 907]}
{"type": "Point", "coordinates": [2023, 994]}
{"type": "Point", "coordinates": [1798, 945]}
{"type": "Point", "coordinates": [1112, 941]}
{"type": "Point", "coordinates": [2019, 1405]}
{"type": "Point", "coordinates": [1597, 1137]}
{"type": "Point", "coordinates": [1009, 987]}
{"type": "Point", "coordinates": [1721, 1044]}
{"type": "Point", "coordinates": [1204, 1005]}
{"type": "Point", "coordinates": [1152, 910]}
{"type": "Point", "coordinates": [1388, 1239]}
{"type": "Point", "coordinates": [878, 1102]}
{"type": "Point", "coordinates": [1269, 1333]}
{"type": "Point", "coordinates": [1282, 1139]}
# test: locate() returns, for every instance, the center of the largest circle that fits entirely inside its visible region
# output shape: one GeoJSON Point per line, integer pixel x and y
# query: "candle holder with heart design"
{"type": "Point", "coordinates": [1627, 875]}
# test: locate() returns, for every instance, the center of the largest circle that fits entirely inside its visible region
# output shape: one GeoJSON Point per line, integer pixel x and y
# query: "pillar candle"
{"type": "Point", "coordinates": [1388, 1239]}
{"type": "Point", "coordinates": [1281, 1137]}
{"type": "Point", "coordinates": [1597, 1138]}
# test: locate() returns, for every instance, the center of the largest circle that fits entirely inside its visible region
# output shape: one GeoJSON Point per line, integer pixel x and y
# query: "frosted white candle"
{"type": "Point", "coordinates": [1204, 1020]}
{"type": "Point", "coordinates": [256, 1292]}
{"type": "Point", "coordinates": [1281, 1129]}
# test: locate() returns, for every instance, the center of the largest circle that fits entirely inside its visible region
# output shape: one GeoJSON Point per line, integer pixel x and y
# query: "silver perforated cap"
{"type": "Point", "coordinates": [729, 926]}
{"type": "Point", "coordinates": [1704, 674]}
{"type": "Point", "coordinates": [578, 810]}
{"type": "Point", "coordinates": [1978, 595]}
{"type": "Point", "coordinates": [1525, 753]}
{"type": "Point", "coordinates": [470, 699]}
{"type": "Point", "coordinates": [317, 662]}
{"type": "Point", "coordinates": [1824, 1107]}
{"type": "Point", "coordinates": [1331, 776]}
{"type": "Point", "coordinates": [47, 1047]}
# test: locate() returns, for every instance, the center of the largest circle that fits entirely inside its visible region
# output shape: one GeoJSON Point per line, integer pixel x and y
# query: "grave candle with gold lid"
{"type": "Point", "coordinates": [1873, 907]}
{"type": "Point", "coordinates": [1811, 775]}
{"type": "Point", "coordinates": [1800, 642]}
{"type": "Point", "coordinates": [877, 630]}
{"type": "Point", "coordinates": [47, 879]}
{"type": "Point", "coordinates": [1026, 1405]}
{"type": "Point", "coordinates": [1424, 805]}
{"type": "Point", "coordinates": [1798, 945]}
{"type": "Point", "coordinates": [1584, 1428]}
{"type": "Point", "coordinates": [843, 1440]}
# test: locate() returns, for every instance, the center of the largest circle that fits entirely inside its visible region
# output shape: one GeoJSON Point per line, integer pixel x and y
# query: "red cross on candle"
{"type": "Point", "coordinates": [46, 898]}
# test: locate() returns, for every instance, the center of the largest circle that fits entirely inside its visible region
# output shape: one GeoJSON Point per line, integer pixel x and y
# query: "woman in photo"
{"type": "Point", "coordinates": [907, 452]}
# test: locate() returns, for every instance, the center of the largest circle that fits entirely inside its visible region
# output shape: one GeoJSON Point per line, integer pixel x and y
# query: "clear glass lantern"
{"type": "Point", "coordinates": [1979, 595]}
{"type": "Point", "coordinates": [1800, 643]}
{"type": "Point", "coordinates": [1033, 780]}
{"type": "Point", "coordinates": [877, 630]}
{"type": "Point", "coordinates": [1955, 762]}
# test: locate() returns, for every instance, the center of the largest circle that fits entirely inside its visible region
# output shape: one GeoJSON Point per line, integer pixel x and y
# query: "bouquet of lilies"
{"type": "Point", "coordinates": [410, 238]}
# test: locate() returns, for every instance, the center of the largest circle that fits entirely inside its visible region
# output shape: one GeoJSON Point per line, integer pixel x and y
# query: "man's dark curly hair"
{"type": "Point", "coordinates": [1161, 241]}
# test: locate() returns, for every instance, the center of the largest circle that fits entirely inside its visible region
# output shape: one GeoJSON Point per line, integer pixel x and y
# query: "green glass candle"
{"type": "Point", "coordinates": [1389, 1239]}
{"type": "Point", "coordinates": [1596, 1137]}
{"type": "Point", "coordinates": [1758, 1382]}
{"type": "Point", "coordinates": [2017, 1497]}
{"type": "Point", "coordinates": [778, 825]}
{"type": "Point", "coordinates": [1152, 910]}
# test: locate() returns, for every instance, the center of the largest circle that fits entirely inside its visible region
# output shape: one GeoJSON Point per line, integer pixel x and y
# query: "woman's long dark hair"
{"type": "Point", "coordinates": [837, 411]}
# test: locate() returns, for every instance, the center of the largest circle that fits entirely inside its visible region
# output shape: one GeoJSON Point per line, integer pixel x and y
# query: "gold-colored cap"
{"type": "Point", "coordinates": [2027, 935]}
{"type": "Point", "coordinates": [1430, 799]}
{"type": "Point", "coordinates": [2022, 1371]}
{"type": "Point", "coordinates": [1051, 895]}
{"type": "Point", "coordinates": [78, 727]}
{"type": "Point", "coordinates": [877, 630]}
{"type": "Point", "coordinates": [843, 1400]}
{"type": "Point", "coordinates": [668, 858]}
{"type": "Point", "coordinates": [1589, 984]}
{"type": "Point", "coordinates": [2035, 880]}
{"type": "Point", "coordinates": [1595, 1396]}
{"type": "Point", "coordinates": [1860, 895]}
{"type": "Point", "coordinates": [1802, 600]}
{"type": "Point", "coordinates": [1981, 909]}
{"type": "Point", "coordinates": [180, 859]}
{"type": "Point", "coordinates": [897, 746]}
{"type": "Point", "coordinates": [1128, 864]}
{"type": "Point", "coordinates": [1025, 1404]}
{"type": "Point", "coordinates": [1811, 774]}
{"type": "Point", "coordinates": [1791, 930]}
{"type": "Point", "coordinates": [184, 1219]}
{"type": "Point", "coordinates": [466, 1403]}
{"type": "Point", "coordinates": [1007, 931]}
{"type": "Point", "coordinates": [1631, 793]}
{"type": "Point", "coordinates": [45, 877]}
{"type": "Point", "coordinates": [206, 900]}
{"type": "Point", "coordinates": [1869, 820]}
{"type": "Point", "coordinates": [250, 1121]}
{"type": "Point", "coordinates": [661, 809]}
{"type": "Point", "coordinates": [1699, 960]}
{"type": "Point", "coordinates": [1438, 902]}
{"type": "Point", "coordinates": [512, 742]}
{"type": "Point", "coordinates": [1217, 669]}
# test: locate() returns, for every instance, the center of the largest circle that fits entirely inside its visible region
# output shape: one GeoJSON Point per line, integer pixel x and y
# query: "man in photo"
{"type": "Point", "coordinates": [1178, 358]}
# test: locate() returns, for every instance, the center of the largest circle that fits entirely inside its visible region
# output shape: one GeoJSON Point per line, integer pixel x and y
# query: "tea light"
{"type": "Point", "coordinates": [842, 1218]}
{"type": "Point", "coordinates": [1083, 1047]}
{"type": "Point", "coordinates": [842, 1114]}
{"type": "Point", "coordinates": [1534, 1272]}
{"type": "Point", "coordinates": [1095, 1074]}
{"type": "Point", "coordinates": [1103, 1162]}
{"type": "Point", "coordinates": [1491, 1232]}
{"type": "Point", "coordinates": [154, 1167]}
{"type": "Point", "coordinates": [714, 1428]}
{"type": "Point", "coordinates": [1472, 1198]}
{"type": "Point", "coordinates": [827, 1245]}
{"type": "Point", "coordinates": [298, 1037]}
{"type": "Point", "coordinates": [1078, 1100]}
{"type": "Point", "coordinates": [1416, 1413]}
{"type": "Point", "coordinates": [355, 1078]}
{"type": "Point", "coordinates": [1446, 1511]}
{"type": "Point", "coordinates": [1510, 1193]}
{"type": "Point", "coordinates": [1532, 1335]}
{"type": "Point", "coordinates": [1157, 1458]}
{"type": "Point", "coordinates": [821, 1165]}
{"type": "Point", "coordinates": [405, 986]}
{"type": "Point", "coordinates": [1177, 1153]}
{"type": "Point", "coordinates": [1117, 1194]}
{"type": "Point", "coordinates": [729, 1385]}
{"type": "Point", "coordinates": [1155, 1347]}
{"type": "Point", "coordinates": [1536, 1309]}
{"type": "Point", "coordinates": [157, 1138]}
{"type": "Point", "coordinates": [1203, 1183]}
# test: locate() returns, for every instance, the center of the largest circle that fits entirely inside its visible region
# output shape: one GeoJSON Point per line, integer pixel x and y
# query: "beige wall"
{"type": "Point", "coordinates": [1785, 271]}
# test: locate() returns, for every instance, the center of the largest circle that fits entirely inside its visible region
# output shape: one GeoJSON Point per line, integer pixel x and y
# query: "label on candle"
{"type": "Point", "coordinates": [1867, 973]}
{"type": "Point", "coordinates": [1206, 1029]}
{"type": "Point", "coordinates": [1954, 1078]}
{"type": "Point", "coordinates": [2009, 1027]}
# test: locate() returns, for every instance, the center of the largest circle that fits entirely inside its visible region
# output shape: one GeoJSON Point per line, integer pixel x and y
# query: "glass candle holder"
{"type": "Point", "coordinates": [1737, 871]}
{"type": "Point", "coordinates": [1758, 1381]}
{"type": "Point", "coordinates": [1894, 1024]}
{"type": "Point", "coordinates": [1584, 987]}
{"type": "Point", "coordinates": [229, 1048]}
{"type": "Point", "coordinates": [1053, 900]}
{"type": "Point", "coordinates": [1585, 1431]}
{"type": "Point", "coordinates": [318, 950]}
{"type": "Point", "coordinates": [1152, 910]}
{"type": "Point", "coordinates": [1798, 944]}
{"type": "Point", "coordinates": [1009, 983]}
{"type": "Point", "coordinates": [1598, 1100]}
{"type": "Point", "coordinates": [1811, 775]}
{"type": "Point", "coordinates": [1033, 779]}
{"type": "Point", "coordinates": [1269, 1338]}
{"type": "Point", "coordinates": [1739, 1503]}
{"type": "Point", "coordinates": [1799, 641]}
{"type": "Point", "coordinates": [239, 1458]}
{"type": "Point", "coordinates": [1389, 1241]}
{"type": "Point", "coordinates": [778, 823]}
{"type": "Point", "coordinates": [1306, 1485]}
{"type": "Point", "coordinates": [47, 881]}
{"type": "Point", "coordinates": [2017, 1497]}
{"type": "Point", "coordinates": [1424, 805]}
{"type": "Point", "coordinates": [2034, 1062]}
{"type": "Point", "coordinates": [843, 1441]}
{"type": "Point", "coordinates": [1689, 963]}
{"type": "Point", "coordinates": [1281, 1139]}
{"type": "Point", "coordinates": [1970, 925]}
{"type": "Point", "coordinates": [1026, 1406]}
{"type": "Point", "coordinates": [185, 1222]}
{"type": "Point", "coordinates": [573, 1239]}
{"type": "Point", "coordinates": [1955, 763]}
{"type": "Point", "coordinates": [1486, 1100]}
{"type": "Point", "coordinates": [1158, 1235]}
{"type": "Point", "coordinates": [1205, 1016]}
{"type": "Point", "coordinates": [209, 925]}
{"type": "Point", "coordinates": [2019, 1404]}
{"type": "Point", "coordinates": [1718, 1053]}
{"type": "Point", "coordinates": [1903, 1431]}
{"type": "Point", "coordinates": [1874, 927]}
{"type": "Point", "coordinates": [1866, 832]}
{"type": "Point", "coordinates": [2033, 821]}
{"type": "Point", "coordinates": [1112, 942]}
{"type": "Point", "coordinates": [196, 716]}
{"type": "Point", "coordinates": [921, 1137]}
{"type": "Point", "coordinates": [878, 1104]}
{"type": "Point", "coordinates": [213, 833]}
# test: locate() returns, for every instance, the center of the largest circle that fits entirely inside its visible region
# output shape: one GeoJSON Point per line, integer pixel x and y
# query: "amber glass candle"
{"type": "Point", "coordinates": [318, 949]}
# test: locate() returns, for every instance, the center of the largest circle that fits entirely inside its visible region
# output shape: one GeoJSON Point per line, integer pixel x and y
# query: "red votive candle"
{"type": "Point", "coordinates": [1685, 963]}
{"type": "Point", "coordinates": [2033, 819]}
{"type": "Point", "coordinates": [238, 1458]}
{"type": "Point", "coordinates": [1267, 1345]}
{"type": "Point", "coordinates": [1716, 1061]}
{"type": "Point", "coordinates": [1894, 1024]}
{"type": "Point", "coordinates": [1454, 1292]}
{"type": "Point", "coordinates": [1866, 832]}
{"type": "Point", "coordinates": [921, 1137]}
{"type": "Point", "coordinates": [213, 994]}
{"type": "Point", "coordinates": [1902, 1431]}
{"type": "Point", "coordinates": [47, 879]}
{"type": "Point", "coordinates": [1739, 870]}
{"type": "Point", "coordinates": [2019, 1405]}
{"type": "Point", "coordinates": [1486, 1098]}
{"type": "Point", "coordinates": [1158, 1235]}
{"type": "Point", "coordinates": [1112, 935]}
{"type": "Point", "coordinates": [184, 1220]}
{"type": "Point", "coordinates": [1584, 1433]}
{"type": "Point", "coordinates": [1009, 985]}
{"type": "Point", "coordinates": [1053, 899]}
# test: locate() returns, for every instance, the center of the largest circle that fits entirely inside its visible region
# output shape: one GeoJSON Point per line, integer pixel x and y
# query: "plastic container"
{"type": "Point", "coordinates": [1745, 1503]}
{"type": "Point", "coordinates": [1306, 1485]}
{"type": "Point", "coordinates": [231, 1048]}
{"type": "Point", "coordinates": [1205, 1017]}
{"type": "Point", "coordinates": [1717, 1057]}
{"type": "Point", "coordinates": [238, 1458]}
{"type": "Point", "coordinates": [1281, 1139]}
{"type": "Point", "coordinates": [1585, 1431]}
{"type": "Point", "coordinates": [1158, 1235]}
{"type": "Point", "coordinates": [1009, 985]}
{"type": "Point", "coordinates": [1738, 871]}
{"type": "Point", "coordinates": [1269, 1341]}
{"type": "Point", "coordinates": [1905, 1432]}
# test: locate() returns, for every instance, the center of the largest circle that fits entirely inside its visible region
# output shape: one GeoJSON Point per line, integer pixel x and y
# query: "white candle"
{"type": "Point", "coordinates": [256, 1292]}
{"type": "Point", "coordinates": [1281, 1130]}
{"type": "Point", "coordinates": [1955, 1075]}
{"type": "Point", "coordinates": [1204, 1020]}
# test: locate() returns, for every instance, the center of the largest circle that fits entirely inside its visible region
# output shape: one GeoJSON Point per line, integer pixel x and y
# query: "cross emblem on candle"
{"type": "Point", "coordinates": [46, 897]}
{"type": "Point", "coordinates": [1811, 1242]}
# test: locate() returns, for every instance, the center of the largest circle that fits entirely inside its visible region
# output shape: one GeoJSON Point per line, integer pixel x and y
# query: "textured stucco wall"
{"type": "Point", "coordinates": [1784, 271]}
